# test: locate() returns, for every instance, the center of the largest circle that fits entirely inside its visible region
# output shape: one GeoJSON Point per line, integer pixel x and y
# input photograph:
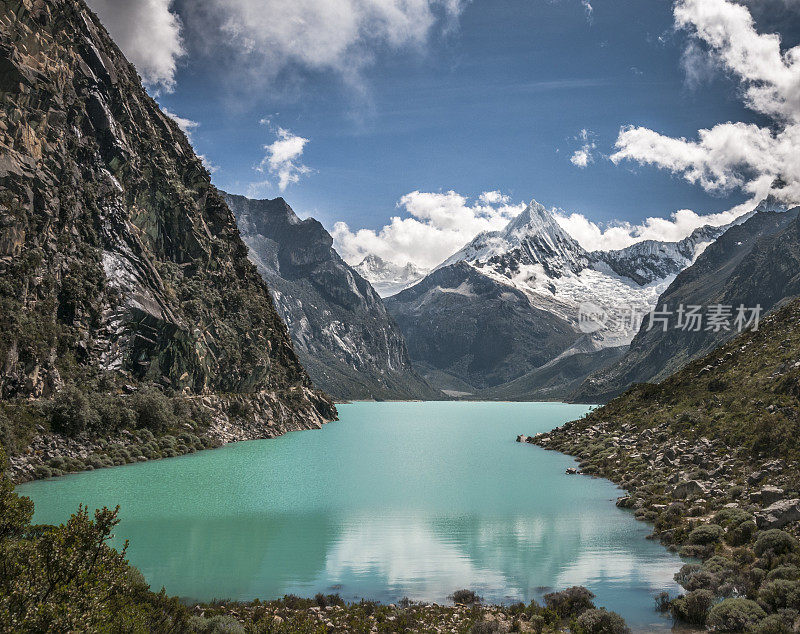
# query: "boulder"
{"type": "Point", "coordinates": [779, 514]}
{"type": "Point", "coordinates": [770, 495]}
{"type": "Point", "coordinates": [689, 489]}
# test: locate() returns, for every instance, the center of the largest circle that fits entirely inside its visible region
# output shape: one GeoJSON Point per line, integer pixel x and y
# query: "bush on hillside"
{"type": "Point", "coordinates": [465, 597]}
{"type": "Point", "coordinates": [774, 543]}
{"type": "Point", "coordinates": [693, 607]}
{"type": "Point", "coordinates": [735, 615]}
{"type": "Point", "coordinates": [706, 534]}
{"type": "Point", "coordinates": [71, 413]}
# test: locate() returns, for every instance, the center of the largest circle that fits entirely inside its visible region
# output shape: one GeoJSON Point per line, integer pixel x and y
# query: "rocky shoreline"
{"type": "Point", "coordinates": [570, 610]}
{"type": "Point", "coordinates": [51, 454]}
{"type": "Point", "coordinates": [705, 500]}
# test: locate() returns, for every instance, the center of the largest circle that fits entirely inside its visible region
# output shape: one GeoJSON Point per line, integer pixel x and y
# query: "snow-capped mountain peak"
{"type": "Point", "coordinates": [532, 238]}
{"type": "Point", "coordinates": [388, 278]}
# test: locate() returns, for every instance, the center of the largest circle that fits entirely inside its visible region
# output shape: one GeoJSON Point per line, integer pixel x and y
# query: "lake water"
{"type": "Point", "coordinates": [393, 500]}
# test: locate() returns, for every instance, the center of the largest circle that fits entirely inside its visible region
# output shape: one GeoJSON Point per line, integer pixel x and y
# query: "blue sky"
{"type": "Point", "coordinates": [489, 96]}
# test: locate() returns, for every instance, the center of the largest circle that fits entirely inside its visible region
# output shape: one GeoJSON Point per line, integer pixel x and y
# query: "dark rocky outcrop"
{"type": "Point", "coordinates": [117, 255]}
{"type": "Point", "coordinates": [342, 333]}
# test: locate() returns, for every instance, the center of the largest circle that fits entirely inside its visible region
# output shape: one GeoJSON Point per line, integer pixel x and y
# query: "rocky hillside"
{"type": "Point", "coordinates": [342, 333]}
{"type": "Point", "coordinates": [711, 457]}
{"type": "Point", "coordinates": [753, 263]}
{"type": "Point", "coordinates": [120, 264]}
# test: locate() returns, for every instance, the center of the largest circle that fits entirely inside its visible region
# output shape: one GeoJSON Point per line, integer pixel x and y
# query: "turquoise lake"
{"type": "Point", "coordinates": [393, 500]}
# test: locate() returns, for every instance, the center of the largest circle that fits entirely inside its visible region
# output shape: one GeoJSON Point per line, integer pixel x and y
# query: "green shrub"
{"type": "Point", "coordinates": [600, 621]}
{"type": "Point", "coordinates": [780, 594]}
{"type": "Point", "coordinates": [114, 412]}
{"type": "Point", "coordinates": [486, 627]}
{"type": "Point", "coordinates": [71, 413]}
{"type": "Point", "coordinates": [219, 624]}
{"type": "Point", "coordinates": [775, 624]}
{"type": "Point", "coordinates": [735, 615]}
{"type": "Point", "coordinates": [325, 600]}
{"type": "Point", "coordinates": [775, 542]}
{"type": "Point", "coordinates": [706, 534]}
{"type": "Point", "coordinates": [784, 572]}
{"type": "Point", "coordinates": [465, 597]}
{"type": "Point", "coordinates": [153, 409]}
{"type": "Point", "coordinates": [570, 602]}
{"type": "Point", "coordinates": [693, 607]}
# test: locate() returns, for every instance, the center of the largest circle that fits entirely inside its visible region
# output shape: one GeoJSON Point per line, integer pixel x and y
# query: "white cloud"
{"type": "Point", "coordinates": [584, 155]}
{"type": "Point", "coordinates": [680, 224]}
{"type": "Point", "coordinates": [148, 33]}
{"type": "Point", "coordinates": [432, 227]}
{"type": "Point", "coordinates": [733, 155]}
{"type": "Point", "coordinates": [270, 37]}
{"type": "Point", "coordinates": [282, 159]}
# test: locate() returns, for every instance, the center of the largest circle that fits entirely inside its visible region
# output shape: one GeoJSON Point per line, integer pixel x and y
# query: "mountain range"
{"type": "Point", "coordinates": [502, 316]}
{"type": "Point", "coordinates": [342, 333]}
{"type": "Point", "coordinates": [755, 263]}
{"type": "Point", "coordinates": [386, 277]}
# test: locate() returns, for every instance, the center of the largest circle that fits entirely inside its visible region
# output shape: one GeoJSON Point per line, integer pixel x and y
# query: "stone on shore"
{"type": "Point", "coordinates": [779, 514]}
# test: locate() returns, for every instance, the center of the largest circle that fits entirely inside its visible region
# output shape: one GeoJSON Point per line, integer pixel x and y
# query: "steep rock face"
{"type": "Point", "coordinates": [756, 262]}
{"type": "Point", "coordinates": [117, 254]}
{"type": "Point", "coordinates": [342, 333]}
{"type": "Point", "coordinates": [468, 331]}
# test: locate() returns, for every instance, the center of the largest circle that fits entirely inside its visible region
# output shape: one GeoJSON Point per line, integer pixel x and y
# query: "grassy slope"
{"type": "Point", "coordinates": [746, 393]}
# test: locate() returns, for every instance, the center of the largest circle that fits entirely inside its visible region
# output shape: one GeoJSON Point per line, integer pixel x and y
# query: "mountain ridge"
{"type": "Point", "coordinates": [341, 331]}
{"type": "Point", "coordinates": [536, 257]}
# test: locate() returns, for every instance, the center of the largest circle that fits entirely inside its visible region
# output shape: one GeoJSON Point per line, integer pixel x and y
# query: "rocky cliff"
{"type": "Point", "coordinates": [119, 261]}
{"type": "Point", "coordinates": [342, 333]}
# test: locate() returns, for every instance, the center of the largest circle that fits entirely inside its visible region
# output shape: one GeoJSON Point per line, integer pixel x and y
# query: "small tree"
{"type": "Point", "coordinates": [570, 602]}
{"type": "Point", "coordinates": [71, 412]}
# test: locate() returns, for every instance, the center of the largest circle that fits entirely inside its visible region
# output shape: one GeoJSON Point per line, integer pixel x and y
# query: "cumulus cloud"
{"type": "Point", "coordinates": [148, 33]}
{"type": "Point", "coordinates": [430, 228]}
{"type": "Point", "coordinates": [275, 36]}
{"type": "Point", "coordinates": [680, 224]}
{"type": "Point", "coordinates": [282, 159]}
{"type": "Point", "coordinates": [733, 155]}
{"type": "Point", "coordinates": [584, 155]}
